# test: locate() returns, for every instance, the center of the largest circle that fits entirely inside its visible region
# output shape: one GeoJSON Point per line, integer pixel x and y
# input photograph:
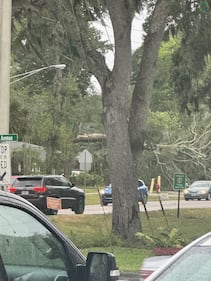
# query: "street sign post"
{"type": "Point", "coordinates": [5, 159]}
{"type": "Point", "coordinates": [179, 181]}
{"type": "Point", "coordinates": [8, 137]}
{"type": "Point", "coordinates": [179, 184]}
{"type": "Point", "coordinates": [5, 165]}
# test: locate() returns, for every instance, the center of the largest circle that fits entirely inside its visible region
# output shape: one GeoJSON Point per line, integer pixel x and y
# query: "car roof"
{"type": "Point", "coordinates": [39, 176]}
{"type": "Point", "coordinates": [202, 181]}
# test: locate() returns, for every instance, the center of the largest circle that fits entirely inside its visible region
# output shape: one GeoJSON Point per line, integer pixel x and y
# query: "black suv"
{"type": "Point", "coordinates": [49, 193]}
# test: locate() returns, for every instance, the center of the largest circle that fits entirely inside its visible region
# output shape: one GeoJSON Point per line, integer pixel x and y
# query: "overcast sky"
{"type": "Point", "coordinates": [107, 35]}
{"type": "Point", "coordinates": [136, 36]}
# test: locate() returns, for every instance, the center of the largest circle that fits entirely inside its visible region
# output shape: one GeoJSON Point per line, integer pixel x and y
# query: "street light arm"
{"type": "Point", "coordinates": [28, 72]}
{"type": "Point", "coordinates": [32, 72]}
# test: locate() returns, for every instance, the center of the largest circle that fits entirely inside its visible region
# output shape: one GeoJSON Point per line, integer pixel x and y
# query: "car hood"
{"type": "Point", "coordinates": [78, 189]}
{"type": "Point", "coordinates": [154, 262]}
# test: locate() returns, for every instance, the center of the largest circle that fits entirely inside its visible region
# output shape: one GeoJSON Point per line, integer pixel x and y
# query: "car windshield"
{"type": "Point", "coordinates": [194, 265]}
{"type": "Point", "coordinates": [200, 185]}
{"type": "Point", "coordinates": [140, 183]}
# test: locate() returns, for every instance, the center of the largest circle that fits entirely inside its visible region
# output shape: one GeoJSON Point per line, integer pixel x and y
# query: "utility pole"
{"type": "Point", "coordinates": [5, 51]}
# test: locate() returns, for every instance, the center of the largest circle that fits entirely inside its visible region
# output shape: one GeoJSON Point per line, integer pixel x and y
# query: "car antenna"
{"type": "Point", "coordinates": [3, 175]}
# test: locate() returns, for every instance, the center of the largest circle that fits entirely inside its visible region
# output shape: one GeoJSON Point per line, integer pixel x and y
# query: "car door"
{"type": "Point", "coordinates": [33, 249]}
{"type": "Point", "coordinates": [56, 188]}
{"type": "Point", "coordinates": [29, 250]}
{"type": "Point", "coordinates": [67, 188]}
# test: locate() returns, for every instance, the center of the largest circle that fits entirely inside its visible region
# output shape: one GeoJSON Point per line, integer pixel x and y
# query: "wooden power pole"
{"type": "Point", "coordinates": [5, 51]}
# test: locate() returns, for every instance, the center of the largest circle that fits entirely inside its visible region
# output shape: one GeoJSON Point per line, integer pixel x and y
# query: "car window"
{"type": "Point", "coordinates": [28, 247]}
{"type": "Point", "coordinates": [194, 265]}
{"type": "Point", "coordinates": [200, 184]}
{"type": "Point", "coordinates": [50, 181]}
{"type": "Point", "coordinates": [27, 182]}
{"type": "Point", "coordinates": [140, 183]}
{"type": "Point", "coordinates": [63, 181]}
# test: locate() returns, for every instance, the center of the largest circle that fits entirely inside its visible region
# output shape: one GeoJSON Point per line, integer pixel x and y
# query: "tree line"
{"type": "Point", "coordinates": [154, 104]}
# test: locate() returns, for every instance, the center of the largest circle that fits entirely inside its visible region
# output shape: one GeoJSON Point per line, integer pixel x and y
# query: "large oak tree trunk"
{"type": "Point", "coordinates": [125, 143]}
{"type": "Point", "coordinates": [142, 92]}
{"type": "Point", "coordinates": [124, 129]}
{"type": "Point", "coordinates": [115, 92]}
{"type": "Point", "coordinates": [126, 219]}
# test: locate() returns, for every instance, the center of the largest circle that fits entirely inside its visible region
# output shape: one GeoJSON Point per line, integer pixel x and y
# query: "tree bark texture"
{"type": "Point", "coordinates": [142, 92]}
{"type": "Point", "coordinates": [125, 219]}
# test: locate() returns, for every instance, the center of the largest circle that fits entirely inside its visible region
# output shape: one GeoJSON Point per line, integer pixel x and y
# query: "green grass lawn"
{"type": "Point", "coordinates": [93, 195]}
{"type": "Point", "coordinates": [93, 232]}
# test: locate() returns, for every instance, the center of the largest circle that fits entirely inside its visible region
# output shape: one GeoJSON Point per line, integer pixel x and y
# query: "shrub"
{"type": "Point", "coordinates": [173, 240]}
{"type": "Point", "coordinates": [86, 179]}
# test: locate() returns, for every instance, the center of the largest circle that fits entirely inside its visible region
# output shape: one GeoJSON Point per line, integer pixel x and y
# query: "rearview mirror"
{"type": "Point", "coordinates": [101, 267]}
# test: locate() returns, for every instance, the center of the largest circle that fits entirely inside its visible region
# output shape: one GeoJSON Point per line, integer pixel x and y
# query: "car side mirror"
{"type": "Point", "coordinates": [101, 267]}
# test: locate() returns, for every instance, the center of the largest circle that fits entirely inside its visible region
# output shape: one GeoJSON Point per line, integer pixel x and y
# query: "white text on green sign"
{"type": "Point", "coordinates": [8, 137]}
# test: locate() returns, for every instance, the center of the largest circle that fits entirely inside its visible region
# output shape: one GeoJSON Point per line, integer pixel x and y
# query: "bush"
{"type": "Point", "coordinates": [86, 179]}
{"type": "Point", "coordinates": [166, 239]}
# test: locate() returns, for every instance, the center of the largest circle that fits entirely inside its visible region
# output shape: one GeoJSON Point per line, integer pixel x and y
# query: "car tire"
{"type": "Point", "coordinates": [208, 196]}
{"type": "Point", "coordinates": [104, 203]}
{"type": "Point", "coordinates": [80, 206]}
{"type": "Point", "coordinates": [186, 199]}
{"type": "Point", "coordinates": [143, 197]}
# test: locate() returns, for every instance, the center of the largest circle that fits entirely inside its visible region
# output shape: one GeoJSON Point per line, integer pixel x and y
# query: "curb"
{"type": "Point", "coordinates": [129, 276]}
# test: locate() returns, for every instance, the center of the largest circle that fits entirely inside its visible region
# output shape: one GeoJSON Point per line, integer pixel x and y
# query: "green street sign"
{"type": "Point", "coordinates": [8, 137]}
{"type": "Point", "coordinates": [179, 181]}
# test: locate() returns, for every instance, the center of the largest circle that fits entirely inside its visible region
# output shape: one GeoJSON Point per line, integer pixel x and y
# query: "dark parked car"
{"type": "Point", "coordinates": [106, 195]}
{"type": "Point", "coordinates": [49, 193]}
{"type": "Point", "coordinates": [192, 263]}
{"type": "Point", "coordinates": [198, 190]}
{"type": "Point", "coordinates": [33, 249]}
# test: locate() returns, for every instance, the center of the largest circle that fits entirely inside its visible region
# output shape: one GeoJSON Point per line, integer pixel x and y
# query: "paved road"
{"type": "Point", "coordinates": [151, 206]}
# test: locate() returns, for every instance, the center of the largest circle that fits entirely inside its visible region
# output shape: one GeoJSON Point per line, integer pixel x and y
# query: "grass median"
{"type": "Point", "coordinates": [93, 232]}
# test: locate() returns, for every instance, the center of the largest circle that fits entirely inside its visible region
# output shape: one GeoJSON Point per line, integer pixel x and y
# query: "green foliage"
{"type": "Point", "coordinates": [43, 115]}
{"type": "Point", "coordinates": [204, 6]}
{"type": "Point", "coordinates": [167, 239]}
{"type": "Point", "coordinates": [164, 120]}
{"type": "Point", "coordinates": [86, 179]}
{"type": "Point", "coordinates": [163, 98]}
{"type": "Point", "coordinates": [26, 160]}
{"type": "Point", "coordinates": [190, 59]}
{"type": "Point", "coordinates": [19, 111]}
